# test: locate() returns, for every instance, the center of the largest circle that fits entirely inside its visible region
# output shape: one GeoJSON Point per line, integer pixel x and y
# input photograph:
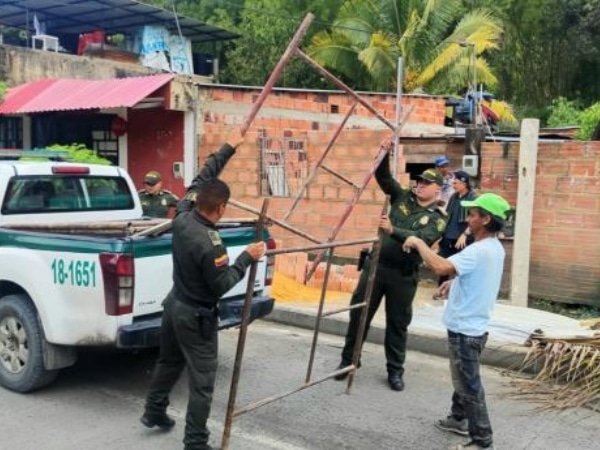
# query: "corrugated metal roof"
{"type": "Point", "coordinates": [69, 94]}
{"type": "Point", "coordinates": [112, 16]}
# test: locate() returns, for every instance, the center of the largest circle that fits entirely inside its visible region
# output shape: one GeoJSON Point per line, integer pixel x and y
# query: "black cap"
{"type": "Point", "coordinates": [462, 176]}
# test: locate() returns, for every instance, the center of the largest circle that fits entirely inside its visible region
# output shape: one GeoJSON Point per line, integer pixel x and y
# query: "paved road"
{"type": "Point", "coordinates": [96, 404]}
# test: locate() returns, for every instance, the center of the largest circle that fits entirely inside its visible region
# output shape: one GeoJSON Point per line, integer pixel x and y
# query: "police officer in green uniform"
{"type": "Point", "coordinates": [155, 200]}
{"type": "Point", "coordinates": [412, 213]}
{"type": "Point", "coordinates": [201, 275]}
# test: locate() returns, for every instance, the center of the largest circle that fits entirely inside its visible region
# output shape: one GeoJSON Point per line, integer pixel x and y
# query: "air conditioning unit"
{"type": "Point", "coordinates": [470, 164]}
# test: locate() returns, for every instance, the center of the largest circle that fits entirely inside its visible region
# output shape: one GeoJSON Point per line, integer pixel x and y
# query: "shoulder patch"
{"type": "Point", "coordinates": [403, 208]}
{"type": "Point", "coordinates": [441, 224]}
{"type": "Point", "coordinates": [191, 196]}
{"type": "Point", "coordinates": [215, 238]}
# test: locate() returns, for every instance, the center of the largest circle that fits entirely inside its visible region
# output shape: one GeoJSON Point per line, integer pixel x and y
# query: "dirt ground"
{"type": "Point", "coordinates": [287, 291]}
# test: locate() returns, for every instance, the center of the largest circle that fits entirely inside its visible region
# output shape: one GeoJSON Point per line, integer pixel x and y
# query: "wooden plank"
{"type": "Point", "coordinates": [522, 239]}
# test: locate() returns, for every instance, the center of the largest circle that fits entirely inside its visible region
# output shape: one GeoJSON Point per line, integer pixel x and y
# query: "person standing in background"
{"type": "Point", "coordinates": [442, 165]}
{"type": "Point", "coordinates": [155, 200]}
{"type": "Point", "coordinates": [457, 234]}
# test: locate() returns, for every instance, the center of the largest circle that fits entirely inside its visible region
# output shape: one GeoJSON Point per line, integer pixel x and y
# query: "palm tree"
{"type": "Point", "coordinates": [440, 46]}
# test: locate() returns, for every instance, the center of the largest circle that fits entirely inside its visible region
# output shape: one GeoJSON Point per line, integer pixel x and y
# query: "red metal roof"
{"type": "Point", "coordinates": [71, 94]}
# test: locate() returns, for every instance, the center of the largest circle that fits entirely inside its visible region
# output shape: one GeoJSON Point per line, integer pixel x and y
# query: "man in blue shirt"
{"type": "Point", "coordinates": [456, 235]}
{"type": "Point", "coordinates": [477, 272]}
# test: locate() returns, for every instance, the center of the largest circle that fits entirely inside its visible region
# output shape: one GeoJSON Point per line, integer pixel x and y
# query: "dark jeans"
{"type": "Point", "coordinates": [181, 345]}
{"type": "Point", "coordinates": [468, 400]}
{"type": "Point", "coordinates": [399, 291]}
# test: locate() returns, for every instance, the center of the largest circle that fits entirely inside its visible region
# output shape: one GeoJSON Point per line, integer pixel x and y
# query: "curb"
{"type": "Point", "coordinates": [497, 354]}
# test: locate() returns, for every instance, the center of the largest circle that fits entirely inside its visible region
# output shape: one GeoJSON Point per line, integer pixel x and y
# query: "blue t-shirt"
{"type": "Point", "coordinates": [475, 288]}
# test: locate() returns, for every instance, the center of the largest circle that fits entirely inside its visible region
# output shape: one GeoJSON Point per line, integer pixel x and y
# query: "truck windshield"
{"type": "Point", "coordinates": [66, 193]}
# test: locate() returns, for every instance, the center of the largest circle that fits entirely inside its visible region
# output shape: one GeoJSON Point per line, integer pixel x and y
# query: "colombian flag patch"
{"type": "Point", "coordinates": [222, 261]}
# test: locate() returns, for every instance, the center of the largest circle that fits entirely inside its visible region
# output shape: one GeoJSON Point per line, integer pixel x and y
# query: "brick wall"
{"type": "Point", "coordinates": [565, 243]}
{"type": "Point", "coordinates": [565, 250]}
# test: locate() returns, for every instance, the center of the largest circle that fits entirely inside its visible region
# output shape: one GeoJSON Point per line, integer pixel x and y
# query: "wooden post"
{"type": "Point", "coordinates": [528, 150]}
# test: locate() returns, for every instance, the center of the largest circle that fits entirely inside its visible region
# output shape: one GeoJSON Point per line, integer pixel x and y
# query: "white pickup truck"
{"type": "Point", "coordinates": [72, 274]}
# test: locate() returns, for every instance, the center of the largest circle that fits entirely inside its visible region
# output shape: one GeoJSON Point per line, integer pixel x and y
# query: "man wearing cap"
{"type": "Point", "coordinates": [442, 164]}
{"type": "Point", "coordinates": [472, 294]}
{"type": "Point", "coordinates": [457, 234]}
{"type": "Point", "coordinates": [155, 200]}
{"type": "Point", "coordinates": [412, 213]}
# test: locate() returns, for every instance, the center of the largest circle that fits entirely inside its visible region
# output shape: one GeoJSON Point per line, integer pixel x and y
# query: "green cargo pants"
{"type": "Point", "coordinates": [181, 344]}
{"type": "Point", "coordinates": [399, 290]}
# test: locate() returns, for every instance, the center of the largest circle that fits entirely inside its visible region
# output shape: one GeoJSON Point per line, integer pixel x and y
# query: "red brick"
{"type": "Point", "coordinates": [583, 168]}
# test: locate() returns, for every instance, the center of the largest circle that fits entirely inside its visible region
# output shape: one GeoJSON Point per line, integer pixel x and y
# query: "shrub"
{"type": "Point", "coordinates": [563, 113]}
{"type": "Point", "coordinates": [588, 122]}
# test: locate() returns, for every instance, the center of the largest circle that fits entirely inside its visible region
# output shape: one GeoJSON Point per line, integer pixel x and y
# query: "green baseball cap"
{"type": "Point", "coordinates": [491, 203]}
{"type": "Point", "coordinates": [433, 176]}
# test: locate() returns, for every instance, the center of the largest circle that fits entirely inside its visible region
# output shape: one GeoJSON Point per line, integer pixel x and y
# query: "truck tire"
{"type": "Point", "coordinates": [21, 346]}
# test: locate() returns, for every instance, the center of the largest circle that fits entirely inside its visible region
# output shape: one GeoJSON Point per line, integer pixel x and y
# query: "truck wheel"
{"type": "Point", "coordinates": [21, 338]}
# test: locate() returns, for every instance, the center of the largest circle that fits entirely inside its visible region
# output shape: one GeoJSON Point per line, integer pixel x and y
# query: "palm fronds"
{"type": "Point", "coordinates": [567, 373]}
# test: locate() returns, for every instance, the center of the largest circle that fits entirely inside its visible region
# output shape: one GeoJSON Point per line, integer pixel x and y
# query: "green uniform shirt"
{"type": "Point", "coordinates": [408, 218]}
{"type": "Point", "coordinates": [157, 205]}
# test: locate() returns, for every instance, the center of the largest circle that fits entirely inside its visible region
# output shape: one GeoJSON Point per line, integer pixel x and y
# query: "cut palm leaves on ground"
{"type": "Point", "coordinates": [567, 373]}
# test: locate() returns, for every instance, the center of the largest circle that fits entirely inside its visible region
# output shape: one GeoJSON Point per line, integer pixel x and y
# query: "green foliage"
{"type": "Point", "coordinates": [563, 113]}
{"type": "Point", "coordinates": [441, 44]}
{"type": "Point", "coordinates": [590, 118]}
{"type": "Point", "coordinates": [2, 90]}
{"type": "Point", "coordinates": [574, 311]}
{"type": "Point", "coordinates": [75, 153]}
{"type": "Point", "coordinates": [79, 153]}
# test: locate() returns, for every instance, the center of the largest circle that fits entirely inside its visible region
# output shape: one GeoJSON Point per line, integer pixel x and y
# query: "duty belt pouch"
{"type": "Point", "coordinates": [364, 254]}
{"type": "Point", "coordinates": [207, 320]}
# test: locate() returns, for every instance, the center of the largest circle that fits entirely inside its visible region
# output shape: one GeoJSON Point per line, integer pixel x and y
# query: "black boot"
{"type": "Point", "coordinates": [395, 381]}
{"type": "Point", "coordinates": [162, 421]}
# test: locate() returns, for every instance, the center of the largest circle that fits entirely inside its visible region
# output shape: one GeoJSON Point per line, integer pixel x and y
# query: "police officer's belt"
{"type": "Point", "coordinates": [191, 302]}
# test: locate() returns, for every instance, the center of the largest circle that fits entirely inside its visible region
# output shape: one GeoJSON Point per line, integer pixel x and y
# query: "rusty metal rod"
{"type": "Point", "coordinates": [383, 151]}
{"type": "Point", "coordinates": [266, 401]}
{"type": "Point", "coordinates": [340, 176]}
{"type": "Point", "coordinates": [282, 224]}
{"type": "Point", "coordinates": [239, 354]}
{"type": "Point", "coordinates": [285, 58]}
{"type": "Point", "coordinates": [331, 312]}
{"type": "Point", "coordinates": [313, 347]}
{"type": "Point", "coordinates": [367, 298]}
{"type": "Point", "coordinates": [325, 245]}
{"type": "Point", "coordinates": [344, 87]}
{"type": "Point", "coordinates": [319, 163]}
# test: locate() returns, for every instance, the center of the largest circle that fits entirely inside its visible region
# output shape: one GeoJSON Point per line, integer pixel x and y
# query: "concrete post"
{"type": "Point", "coordinates": [522, 239]}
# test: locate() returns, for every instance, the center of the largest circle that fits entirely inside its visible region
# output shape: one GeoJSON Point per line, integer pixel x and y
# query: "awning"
{"type": "Point", "coordinates": [112, 16]}
{"type": "Point", "coordinates": [73, 94]}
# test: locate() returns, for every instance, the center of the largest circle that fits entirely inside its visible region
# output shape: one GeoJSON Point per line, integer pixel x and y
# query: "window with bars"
{"type": "Point", "coordinates": [284, 165]}
{"type": "Point", "coordinates": [11, 132]}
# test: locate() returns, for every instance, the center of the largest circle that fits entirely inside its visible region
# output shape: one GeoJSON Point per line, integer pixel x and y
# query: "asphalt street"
{"type": "Point", "coordinates": [95, 405]}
